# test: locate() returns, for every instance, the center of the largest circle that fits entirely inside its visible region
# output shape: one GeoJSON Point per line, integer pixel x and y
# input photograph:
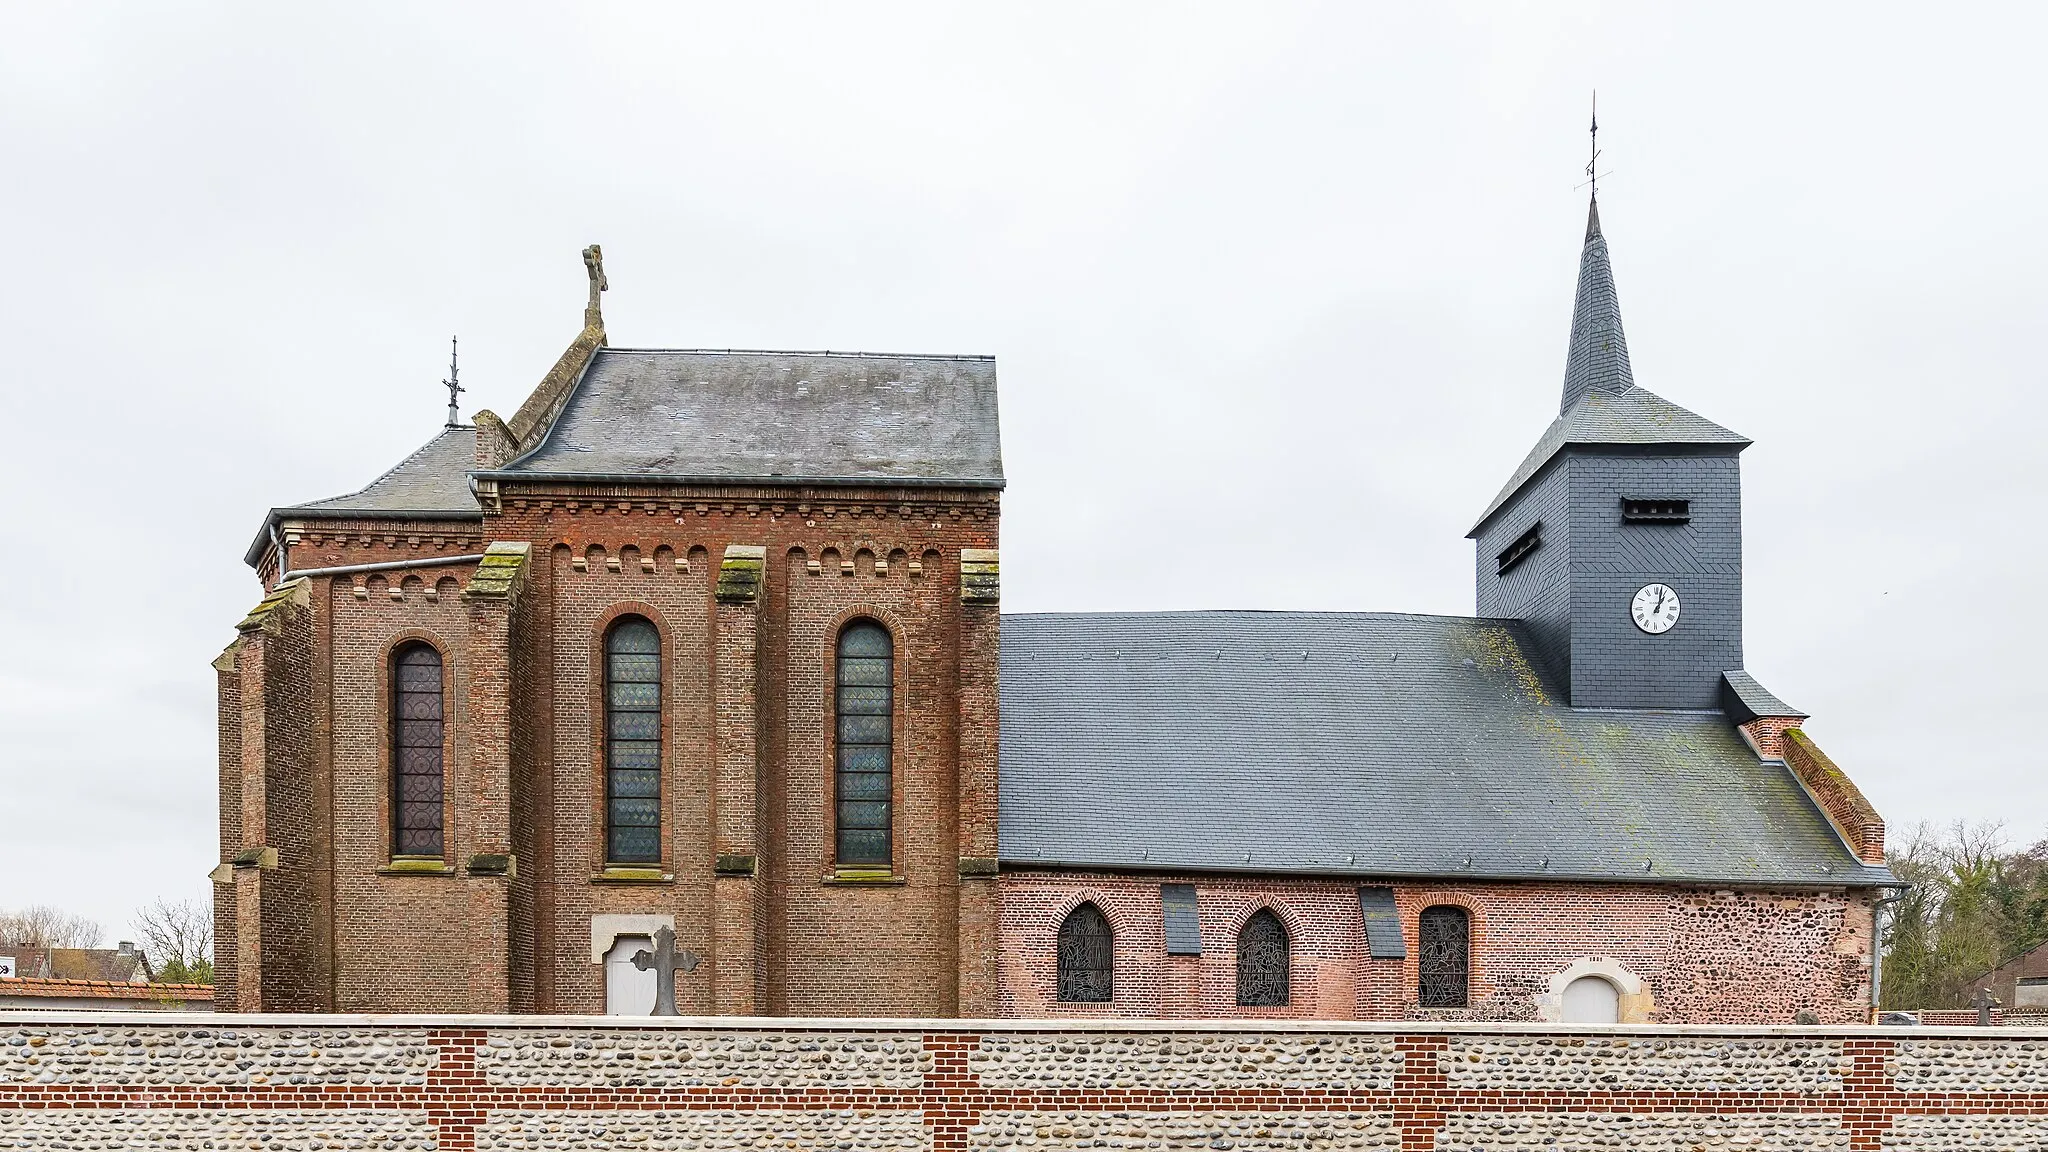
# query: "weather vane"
{"type": "Point", "coordinates": [1593, 172]}
{"type": "Point", "coordinates": [452, 383]}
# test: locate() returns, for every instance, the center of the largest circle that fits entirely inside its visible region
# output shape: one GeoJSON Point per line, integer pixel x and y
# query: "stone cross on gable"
{"type": "Point", "coordinates": [593, 263]}
{"type": "Point", "coordinates": [666, 962]}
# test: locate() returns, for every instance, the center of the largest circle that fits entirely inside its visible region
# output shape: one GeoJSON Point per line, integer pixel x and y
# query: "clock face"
{"type": "Point", "coordinates": [1655, 608]}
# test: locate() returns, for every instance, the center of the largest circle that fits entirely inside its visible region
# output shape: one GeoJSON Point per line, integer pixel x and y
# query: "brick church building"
{"type": "Point", "coordinates": [711, 642]}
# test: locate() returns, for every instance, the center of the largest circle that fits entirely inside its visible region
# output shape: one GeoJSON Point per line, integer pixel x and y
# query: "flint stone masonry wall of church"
{"type": "Point", "coordinates": [106, 1081]}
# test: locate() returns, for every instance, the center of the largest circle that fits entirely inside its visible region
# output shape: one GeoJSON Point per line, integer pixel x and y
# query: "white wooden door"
{"type": "Point", "coordinates": [627, 990]}
{"type": "Point", "coordinates": [1591, 1000]}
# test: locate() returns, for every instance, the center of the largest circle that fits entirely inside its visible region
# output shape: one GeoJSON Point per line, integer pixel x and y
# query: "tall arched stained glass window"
{"type": "Point", "coordinates": [865, 710]}
{"type": "Point", "coordinates": [632, 745]}
{"type": "Point", "coordinates": [1444, 957]}
{"type": "Point", "coordinates": [416, 765]}
{"type": "Point", "coordinates": [1262, 960]}
{"type": "Point", "coordinates": [1087, 957]}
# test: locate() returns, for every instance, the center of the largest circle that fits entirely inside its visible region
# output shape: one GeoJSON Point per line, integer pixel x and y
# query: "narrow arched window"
{"type": "Point", "coordinates": [1262, 960]}
{"type": "Point", "coordinates": [417, 778]}
{"type": "Point", "coordinates": [1087, 953]}
{"type": "Point", "coordinates": [632, 745]}
{"type": "Point", "coordinates": [866, 710]}
{"type": "Point", "coordinates": [1444, 957]}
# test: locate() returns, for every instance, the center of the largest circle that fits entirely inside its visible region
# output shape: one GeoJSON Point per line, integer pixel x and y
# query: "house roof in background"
{"type": "Point", "coordinates": [101, 989]}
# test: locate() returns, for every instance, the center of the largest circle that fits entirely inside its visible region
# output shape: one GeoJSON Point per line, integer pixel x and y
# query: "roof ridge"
{"type": "Point", "coordinates": [1353, 613]}
{"type": "Point", "coordinates": [388, 472]}
{"type": "Point", "coordinates": [976, 357]}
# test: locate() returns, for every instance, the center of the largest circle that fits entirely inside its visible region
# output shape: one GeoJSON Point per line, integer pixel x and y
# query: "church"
{"type": "Point", "coordinates": [695, 669]}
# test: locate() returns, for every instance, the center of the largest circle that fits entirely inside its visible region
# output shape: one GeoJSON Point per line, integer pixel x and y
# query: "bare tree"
{"type": "Point", "coordinates": [49, 927]}
{"type": "Point", "coordinates": [178, 940]}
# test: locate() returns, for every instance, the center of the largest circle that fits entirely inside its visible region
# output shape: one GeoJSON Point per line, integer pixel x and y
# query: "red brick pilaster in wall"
{"type": "Point", "coordinates": [228, 682]}
{"type": "Point", "coordinates": [975, 779]}
{"type": "Point", "coordinates": [1837, 795]}
{"type": "Point", "coordinates": [483, 831]}
{"type": "Point", "coordinates": [737, 952]}
{"type": "Point", "coordinates": [278, 961]}
{"type": "Point", "coordinates": [248, 975]}
{"type": "Point", "coordinates": [1418, 1091]}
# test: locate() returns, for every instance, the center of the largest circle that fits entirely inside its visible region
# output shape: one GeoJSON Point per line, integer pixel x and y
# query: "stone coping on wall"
{"type": "Point", "coordinates": [70, 1015]}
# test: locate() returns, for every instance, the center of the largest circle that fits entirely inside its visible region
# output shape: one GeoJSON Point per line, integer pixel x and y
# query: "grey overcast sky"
{"type": "Point", "coordinates": [1280, 295]}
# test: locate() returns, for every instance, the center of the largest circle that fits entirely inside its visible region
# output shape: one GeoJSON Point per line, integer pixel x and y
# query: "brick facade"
{"type": "Point", "coordinates": [193, 1082]}
{"type": "Point", "coordinates": [1702, 956]}
{"type": "Point", "coordinates": [747, 585]}
{"type": "Point", "coordinates": [747, 878]}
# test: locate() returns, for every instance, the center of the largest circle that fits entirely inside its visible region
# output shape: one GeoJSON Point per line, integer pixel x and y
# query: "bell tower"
{"type": "Point", "coordinates": [1618, 541]}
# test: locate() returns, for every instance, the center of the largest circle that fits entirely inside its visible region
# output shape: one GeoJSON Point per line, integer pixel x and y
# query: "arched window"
{"type": "Point", "coordinates": [632, 745]}
{"type": "Point", "coordinates": [866, 709]}
{"type": "Point", "coordinates": [416, 765]}
{"type": "Point", "coordinates": [1262, 960]}
{"type": "Point", "coordinates": [1086, 957]}
{"type": "Point", "coordinates": [1444, 957]}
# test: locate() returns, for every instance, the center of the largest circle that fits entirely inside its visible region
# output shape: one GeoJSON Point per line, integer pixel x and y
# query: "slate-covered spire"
{"type": "Point", "coordinates": [1598, 360]}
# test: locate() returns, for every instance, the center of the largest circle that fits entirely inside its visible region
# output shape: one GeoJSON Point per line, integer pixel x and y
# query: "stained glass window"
{"type": "Point", "coordinates": [1442, 975]}
{"type": "Point", "coordinates": [632, 747]}
{"type": "Point", "coordinates": [416, 763]}
{"type": "Point", "coordinates": [1086, 954]}
{"type": "Point", "coordinates": [1262, 960]}
{"type": "Point", "coordinates": [865, 712]}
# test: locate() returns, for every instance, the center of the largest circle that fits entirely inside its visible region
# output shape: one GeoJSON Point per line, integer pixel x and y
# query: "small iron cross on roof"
{"type": "Point", "coordinates": [666, 962]}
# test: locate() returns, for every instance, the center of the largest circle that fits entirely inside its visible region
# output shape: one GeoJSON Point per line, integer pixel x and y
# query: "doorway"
{"type": "Point", "coordinates": [1591, 1000]}
{"type": "Point", "coordinates": [627, 990]}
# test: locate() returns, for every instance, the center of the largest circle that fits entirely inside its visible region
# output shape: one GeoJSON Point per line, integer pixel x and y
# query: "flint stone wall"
{"type": "Point", "coordinates": [216, 1054]}
{"type": "Point", "coordinates": [640, 1058]}
{"type": "Point", "coordinates": [1170, 1061]}
{"type": "Point", "coordinates": [1148, 1131]}
{"type": "Point", "coordinates": [77, 1081]}
{"type": "Point", "coordinates": [1612, 1063]}
{"type": "Point", "coordinates": [540, 1131]}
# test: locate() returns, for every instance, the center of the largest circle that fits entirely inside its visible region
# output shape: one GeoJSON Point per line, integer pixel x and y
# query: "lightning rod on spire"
{"type": "Point", "coordinates": [1592, 169]}
{"type": "Point", "coordinates": [452, 383]}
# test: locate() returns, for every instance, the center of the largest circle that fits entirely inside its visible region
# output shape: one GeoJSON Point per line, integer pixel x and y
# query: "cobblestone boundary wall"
{"type": "Point", "coordinates": [134, 1080]}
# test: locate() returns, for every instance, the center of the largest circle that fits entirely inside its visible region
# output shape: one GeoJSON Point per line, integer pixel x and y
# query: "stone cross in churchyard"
{"type": "Point", "coordinates": [1984, 1002]}
{"type": "Point", "coordinates": [666, 962]}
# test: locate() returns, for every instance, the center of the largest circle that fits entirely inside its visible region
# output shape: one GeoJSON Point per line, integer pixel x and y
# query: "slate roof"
{"type": "Point", "coordinates": [826, 417]}
{"type": "Point", "coordinates": [1371, 744]}
{"type": "Point", "coordinates": [1597, 360]}
{"type": "Point", "coordinates": [1600, 403]}
{"type": "Point", "coordinates": [434, 479]}
{"type": "Point", "coordinates": [1744, 699]}
{"type": "Point", "coordinates": [1635, 417]}
{"type": "Point", "coordinates": [430, 484]}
